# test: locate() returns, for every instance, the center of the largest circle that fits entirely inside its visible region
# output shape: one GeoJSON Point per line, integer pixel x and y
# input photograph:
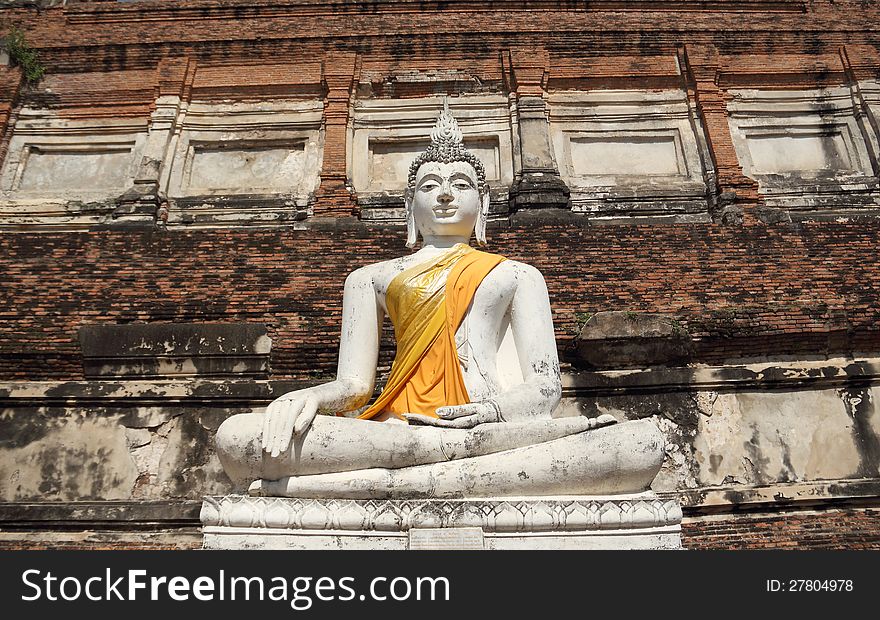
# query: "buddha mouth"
{"type": "Point", "coordinates": [445, 210]}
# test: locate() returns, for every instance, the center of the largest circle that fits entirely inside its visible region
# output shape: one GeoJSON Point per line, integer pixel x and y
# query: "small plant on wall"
{"type": "Point", "coordinates": [581, 319]}
{"type": "Point", "coordinates": [23, 56]}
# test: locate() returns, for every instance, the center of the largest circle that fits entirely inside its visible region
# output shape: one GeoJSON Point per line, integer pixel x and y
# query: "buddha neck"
{"type": "Point", "coordinates": [432, 243]}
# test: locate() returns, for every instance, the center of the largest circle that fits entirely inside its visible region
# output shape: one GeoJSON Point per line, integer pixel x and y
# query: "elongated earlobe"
{"type": "Point", "coordinates": [480, 229]}
{"type": "Point", "coordinates": [412, 233]}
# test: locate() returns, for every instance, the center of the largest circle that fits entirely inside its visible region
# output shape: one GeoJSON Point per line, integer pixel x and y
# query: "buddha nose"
{"type": "Point", "coordinates": [445, 194]}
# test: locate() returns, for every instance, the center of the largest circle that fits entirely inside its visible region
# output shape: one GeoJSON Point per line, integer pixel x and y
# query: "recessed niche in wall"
{"type": "Point", "coordinates": [75, 168]}
{"type": "Point", "coordinates": [220, 167]}
{"type": "Point", "coordinates": [619, 154]}
{"type": "Point", "coordinates": [245, 162]}
{"type": "Point", "coordinates": [389, 134]}
{"type": "Point", "coordinates": [800, 151]}
{"type": "Point", "coordinates": [808, 150]}
{"type": "Point", "coordinates": [68, 172]}
{"type": "Point", "coordinates": [630, 154]}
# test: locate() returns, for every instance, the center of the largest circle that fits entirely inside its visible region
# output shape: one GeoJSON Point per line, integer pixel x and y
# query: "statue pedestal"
{"type": "Point", "coordinates": [637, 521]}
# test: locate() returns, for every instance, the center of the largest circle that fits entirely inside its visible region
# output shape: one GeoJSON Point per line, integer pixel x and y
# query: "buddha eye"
{"type": "Point", "coordinates": [462, 185]}
{"type": "Point", "coordinates": [428, 186]}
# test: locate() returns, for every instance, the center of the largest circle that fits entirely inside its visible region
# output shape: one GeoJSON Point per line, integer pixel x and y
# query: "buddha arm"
{"type": "Point", "coordinates": [358, 346]}
{"type": "Point", "coordinates": [293, 413]}
{"type": "Point", "coordinates": [531, 322]}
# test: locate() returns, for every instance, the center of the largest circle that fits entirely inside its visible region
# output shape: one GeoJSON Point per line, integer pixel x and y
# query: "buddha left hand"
{"type": "Point", "coordinates": [459, 416]}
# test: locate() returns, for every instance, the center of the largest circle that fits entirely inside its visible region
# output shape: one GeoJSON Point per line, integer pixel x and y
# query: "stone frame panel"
{"type": "Point", "coordinates": [237, 128]}
{"type": "Point", "coordinates": [756, 114]}
{"type": "Point", "coordinates": [482, 118]}
{"type": "Point", "coordinates": [868, 94]}
{"type": "Point", "coordinates": [43, 131]}
{"type": "Point", "coordinates": [634, 116]}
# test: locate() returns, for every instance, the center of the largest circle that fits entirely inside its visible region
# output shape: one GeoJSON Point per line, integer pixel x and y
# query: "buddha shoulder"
{"type": "Point", "coordinates": [513, 275]}
{"type": "Point", "coordinates": [376, 276]}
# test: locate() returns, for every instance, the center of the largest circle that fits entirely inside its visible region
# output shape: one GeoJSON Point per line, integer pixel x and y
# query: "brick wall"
{"type": "Point", "coordinates": [741, 291]}
{"type": "Point", "coordinates": [849, 528]}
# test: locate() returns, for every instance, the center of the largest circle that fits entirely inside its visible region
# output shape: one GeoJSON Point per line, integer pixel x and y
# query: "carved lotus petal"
{"type": "Point", "coordinates": [314, 516]}
{"type": "Point", "coordinates": [351, 516]}
{"type": "Point", "coordinates": [210, 513]}
{"type": "Point", "coordinates": [296, 508]}
{"type": "Point", "coordinates": [507, 518]}
{"type": "Point", "coordinates": [577, 517]}
{"type": "Point", "coordinates": [541, 517]}
{"type": "Point", "coordinates": [609, 516]}
{"type": "Point", "coordinates": [673, 512]}
{"type": "Point", "coordinates": [277, 515]}
{"type": "Point", "coordinates": [644, 514]}
{"type": "Point", "coordinates": [387, 518]}
{"type": "Point", "coordinates": [466, 515]}
{"type": "Point", "coordinates": [242, 514]}
{"type": "Point", "coordinates": [430, 514]}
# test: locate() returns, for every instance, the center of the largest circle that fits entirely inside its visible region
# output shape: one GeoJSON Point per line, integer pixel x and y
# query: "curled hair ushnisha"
{"type": "Point", "coordinates": [446, 147]}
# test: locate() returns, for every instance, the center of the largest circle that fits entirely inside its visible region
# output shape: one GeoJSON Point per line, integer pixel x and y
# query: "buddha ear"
{"type": "Point", "coordinates": [412, 233]}
{"type": "Point", "coordinates": [480, 229]}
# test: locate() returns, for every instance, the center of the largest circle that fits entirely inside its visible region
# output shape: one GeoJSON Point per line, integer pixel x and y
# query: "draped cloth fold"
{"type": "Point", "coordinates": [427, 303]}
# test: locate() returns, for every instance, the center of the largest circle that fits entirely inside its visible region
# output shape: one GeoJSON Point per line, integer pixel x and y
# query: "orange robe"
{"type": "Point", "coordinates": [426, 304]}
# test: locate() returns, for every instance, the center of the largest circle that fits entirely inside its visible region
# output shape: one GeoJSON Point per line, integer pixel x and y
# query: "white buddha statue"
{"type": "Point", "coordinates": [467, 409]}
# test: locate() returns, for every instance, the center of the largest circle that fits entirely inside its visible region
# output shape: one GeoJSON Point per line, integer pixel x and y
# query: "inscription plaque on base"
{"type": "Point", "coordinates": [440, 539]}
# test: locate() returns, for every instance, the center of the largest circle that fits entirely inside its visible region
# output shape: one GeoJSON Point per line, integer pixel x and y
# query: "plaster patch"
{"type": "Point", "coordinates": [763, 437]}
{"type": "Point", "coordinates": [78, 458]}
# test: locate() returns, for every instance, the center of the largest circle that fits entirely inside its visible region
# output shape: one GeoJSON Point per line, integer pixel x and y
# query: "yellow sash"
{"type": "Point", "coordinates": [426, 304]}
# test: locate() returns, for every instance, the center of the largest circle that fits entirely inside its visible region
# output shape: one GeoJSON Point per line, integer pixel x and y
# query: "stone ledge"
{"type": "Point", "coordinates": [827, 373]}
{"type": "Point", "coordinates": [98, 539]}
{"type": "Point", "coordinates": [795, 495]}
{"type": "Point", "coordinates": [763, 375]}
{"type": "Point", "coordinates": [612, 339]}
{"type": "Point", "coordinates": [132, 514]}
{"type": "Point", "coordinates": [141, 350]}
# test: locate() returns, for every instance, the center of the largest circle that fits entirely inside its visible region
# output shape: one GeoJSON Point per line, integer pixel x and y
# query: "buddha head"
{"type": "Point", "coordinates": [446, 191]}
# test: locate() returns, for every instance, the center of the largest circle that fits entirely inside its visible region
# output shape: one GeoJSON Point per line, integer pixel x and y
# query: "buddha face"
{"type": "Point", "coordinates": [447, 199]}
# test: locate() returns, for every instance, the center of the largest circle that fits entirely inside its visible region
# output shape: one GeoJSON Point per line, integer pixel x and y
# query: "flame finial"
{"type": "Point", "coordinates": [446, 147]}
{"type": "Point", "coordinates": [446, 130]}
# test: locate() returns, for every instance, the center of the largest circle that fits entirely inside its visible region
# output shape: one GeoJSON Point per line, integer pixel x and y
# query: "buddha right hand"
{"type": "Point", "coordinates": [287, 415]}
